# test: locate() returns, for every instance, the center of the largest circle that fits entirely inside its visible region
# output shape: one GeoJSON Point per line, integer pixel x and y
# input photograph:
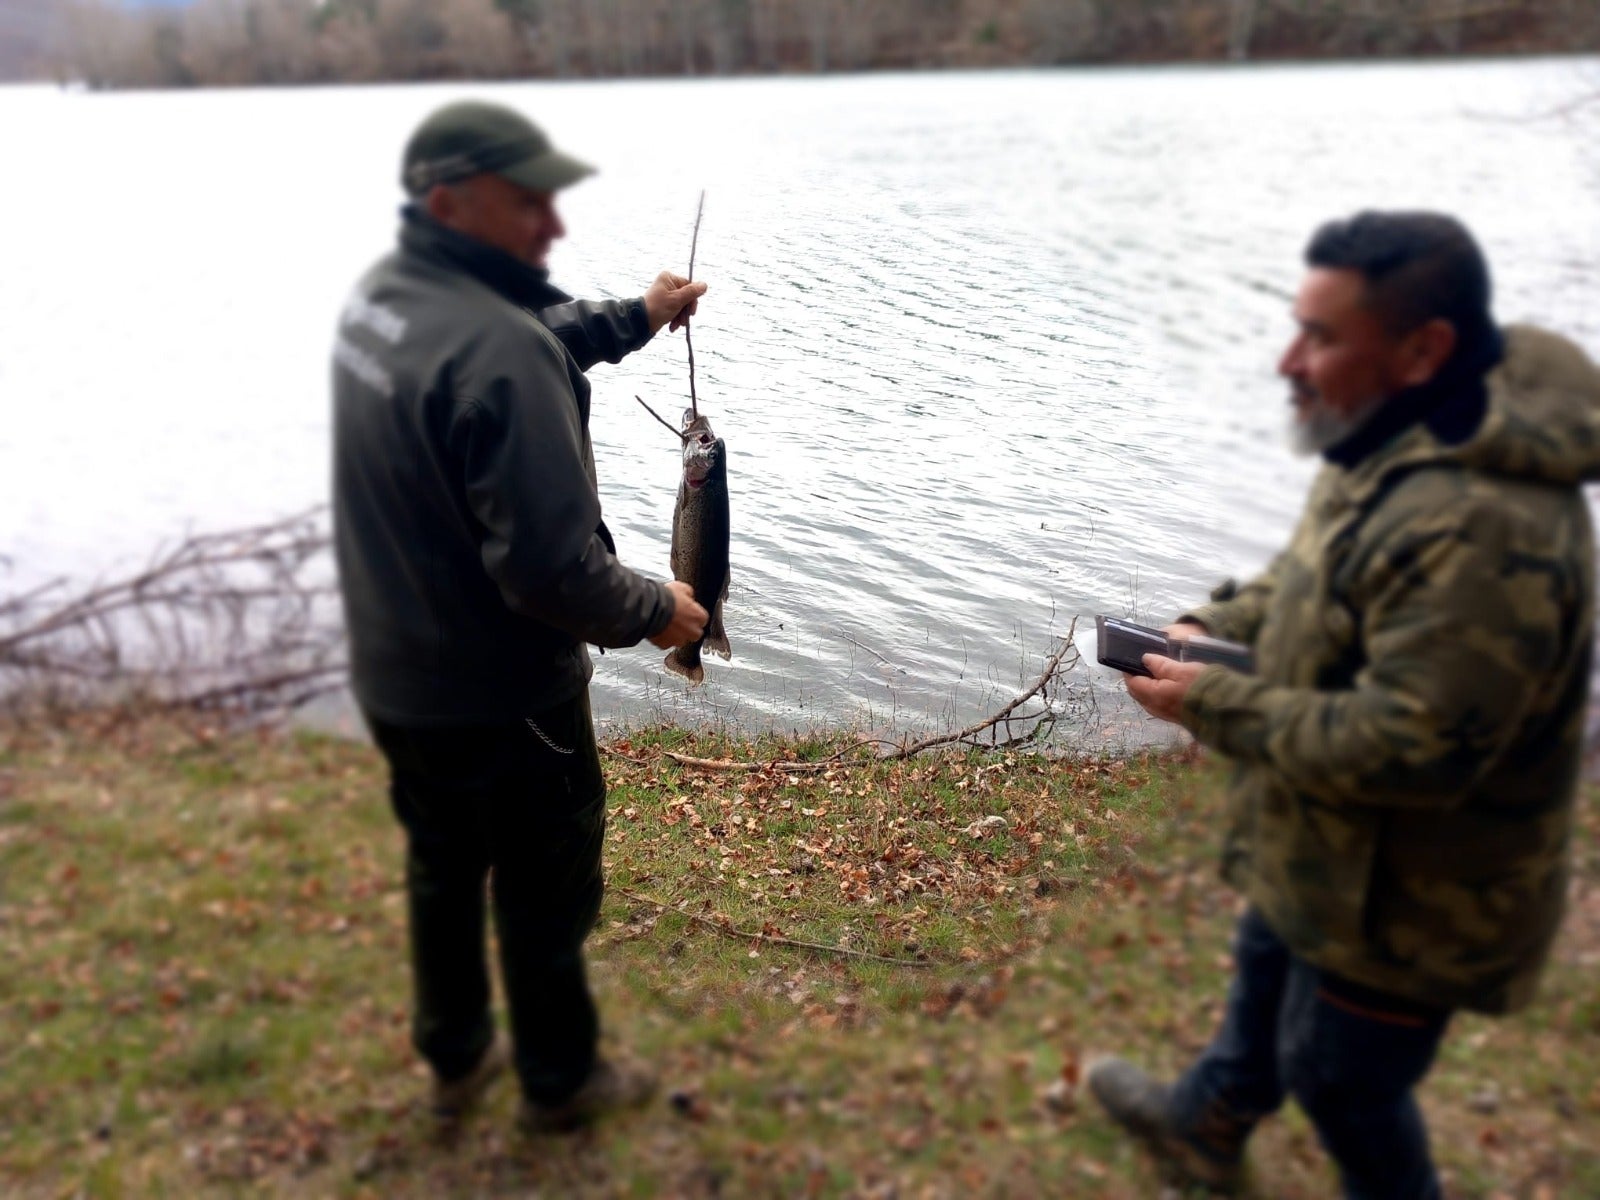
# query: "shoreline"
{"type": "Point", "coordinates": [1151, 65]}
{"type": "Point", "coordinates": [854, 981]}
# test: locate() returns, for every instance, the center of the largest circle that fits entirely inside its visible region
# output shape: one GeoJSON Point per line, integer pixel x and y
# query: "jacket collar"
{"type": "Point", "coordinates": [525, 286]}
{"type": "Point", "coordinates": [1452, 405]}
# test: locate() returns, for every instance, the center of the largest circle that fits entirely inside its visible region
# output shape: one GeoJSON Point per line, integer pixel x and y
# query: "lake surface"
{"type": "Point", "coordinates": [990, 351]}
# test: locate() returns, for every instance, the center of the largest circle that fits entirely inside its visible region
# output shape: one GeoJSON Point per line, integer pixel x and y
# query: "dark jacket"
{"type": "Point", "coordinates": [472, 559]}
{"type": "Point", "coordinates": [1408, 752]}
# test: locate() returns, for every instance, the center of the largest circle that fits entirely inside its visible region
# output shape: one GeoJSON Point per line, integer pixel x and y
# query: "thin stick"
{"type": "Point", "coordinates": [677, 433]}
{"type": "Point", "coordinates": [1062, 661]}
{"type": "Point", "coordinates": [845, 634]}
{"type": "Point", "coordinates": [1047, 677]}
{"type": "Point", "coordinates": [728, 764]}
{"type": "Point", "coordinates": [757, 936]}
{"type": "Point", "coordinates": [694, 402]}
{"type": "Point", "coordinates": [694, 243]}
{"type": "Point", "coordinates": [821, 764]}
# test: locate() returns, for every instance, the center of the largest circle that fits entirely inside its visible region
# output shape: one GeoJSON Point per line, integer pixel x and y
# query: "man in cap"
{"type": "Point", "coordinates": [1407, 753]}
{"type": "Point", "coordinates": [474, 567]}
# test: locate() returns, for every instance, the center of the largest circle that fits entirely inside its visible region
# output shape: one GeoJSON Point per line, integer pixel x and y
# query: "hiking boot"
{"type": "Point", "coordinates": [455, 1099]}
{"type": "Point", "coordinates": [1139, 1104]}
{"type": "Point", "coordinates": [610, 1086]}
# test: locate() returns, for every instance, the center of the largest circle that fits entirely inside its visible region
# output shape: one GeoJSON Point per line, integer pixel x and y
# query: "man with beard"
{"type": "Point", "coordinates": [474, 567]}
{"type": "Point", "coordinates": [1406, 757]}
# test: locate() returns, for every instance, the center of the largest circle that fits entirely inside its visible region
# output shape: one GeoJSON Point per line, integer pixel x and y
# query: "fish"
{"type": "Point", "coordinates": [700, 534]}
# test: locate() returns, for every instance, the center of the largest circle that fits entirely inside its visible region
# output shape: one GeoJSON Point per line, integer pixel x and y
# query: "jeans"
{"type": "Point", "coordinates": [1350, 1056]}
{"type": "Point", "coordinates": [522, 804]}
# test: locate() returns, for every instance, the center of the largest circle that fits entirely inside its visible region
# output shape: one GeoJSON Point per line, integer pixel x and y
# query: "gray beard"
{"type": "Point", "coordinates": [1322, 429]}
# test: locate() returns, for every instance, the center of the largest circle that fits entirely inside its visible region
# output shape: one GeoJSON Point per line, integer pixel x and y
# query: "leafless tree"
{"type": "Point", "coordinates": [1062, 30]}
{"type": "Point", "coordinates": [240, 622]}
{"type": "Point", "coordinates": [1241, 27]}
{"type": "Point", "coordinates": [284, 41]}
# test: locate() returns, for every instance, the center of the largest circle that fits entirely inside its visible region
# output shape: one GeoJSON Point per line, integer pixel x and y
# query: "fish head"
{"type": "Point", "coordinates": [705, 457]}
{"type": "Point", "coordinates": [694, 426]}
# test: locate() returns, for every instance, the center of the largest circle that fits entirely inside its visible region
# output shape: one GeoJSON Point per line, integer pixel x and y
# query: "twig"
{"type": "Point", "coordinates": [729, 764]}
{"type": "Point", "coordinates": [1041, 684]}
{"type": "Point", "coordinates": [863, 646]}
{"type": "Point", "coordinates": [694, 244]}
{"type": "Point", "coordinates": [757, 936]}
{"type": "Point", "coordinates": [1059, 664]}
{"type": "Point", "coordinates": [790, 765]}
{"type": "Point", "coordinates": [222, 622]}
{"type": "Point", "coordinates": [677, 433]}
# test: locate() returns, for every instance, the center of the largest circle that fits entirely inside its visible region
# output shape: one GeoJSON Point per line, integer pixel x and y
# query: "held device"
{"type": "Point", "coordinates": [1123, 645]}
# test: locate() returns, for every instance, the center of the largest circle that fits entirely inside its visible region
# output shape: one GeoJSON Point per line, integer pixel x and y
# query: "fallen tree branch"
{"type": "Point", "coordinates": [238, 622]}
{"type": "Point", "coordinates": [790, 766]}
{"type": "Point", "coordinates": [774, 939]}
{"type": "Point", "coordinates": [1056, 668]}
{"type": "Point", "coordinates": [1063, 660]}
{"type": "Point", "coordinates": [729, 764]}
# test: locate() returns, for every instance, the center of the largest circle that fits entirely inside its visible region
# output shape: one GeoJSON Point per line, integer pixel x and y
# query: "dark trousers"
{"type": "Point", "coordinates": [523, 803]}
{"type": "Point", "coordinates": [1348, 1055]}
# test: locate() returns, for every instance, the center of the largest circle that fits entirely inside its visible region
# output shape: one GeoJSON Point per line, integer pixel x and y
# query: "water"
{"type": "Point", "coordinates": [990, 351]}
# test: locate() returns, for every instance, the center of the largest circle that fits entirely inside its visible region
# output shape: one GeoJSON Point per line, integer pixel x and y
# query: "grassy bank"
{"type": "Point", "coordinates": [203, 986]}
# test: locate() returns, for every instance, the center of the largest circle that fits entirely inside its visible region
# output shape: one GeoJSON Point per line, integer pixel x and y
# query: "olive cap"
{"type": "Point", "coordinates": [472, 137]}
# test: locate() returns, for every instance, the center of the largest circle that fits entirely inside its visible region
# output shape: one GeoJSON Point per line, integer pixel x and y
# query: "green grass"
{"type": "Point", "coordinates": [203, 982]}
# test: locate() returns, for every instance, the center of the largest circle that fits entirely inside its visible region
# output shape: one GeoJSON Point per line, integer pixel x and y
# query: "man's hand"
{"type": "Point", "coordinates": [1182, 631]}
{"type": "Point", "coordinates": [688, 619]}
{"type": "Point", "coordinates": [671, 298]}
{"type": "Point", "coordinates": [1163, 696]}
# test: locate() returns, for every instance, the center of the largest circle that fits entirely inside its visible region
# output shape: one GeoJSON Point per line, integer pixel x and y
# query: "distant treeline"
{"type": "Point", "coordinates": [221, 42]}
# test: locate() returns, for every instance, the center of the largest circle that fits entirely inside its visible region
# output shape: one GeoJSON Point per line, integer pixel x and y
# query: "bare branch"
{"type": "Point", "coordinates": [677, 433]}
{"type": "Point", "coordinates": [1038, 724]}
{"type": "Point", "coordinates": [1062, 661]}
{"type": "Point", "coordinates": [233, 622]}
{"type": "Point", "coordinates": [688, 341]}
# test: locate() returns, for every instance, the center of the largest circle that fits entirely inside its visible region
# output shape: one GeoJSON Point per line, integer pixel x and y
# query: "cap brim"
{"type": "Point", "coordinates": [546, 172]}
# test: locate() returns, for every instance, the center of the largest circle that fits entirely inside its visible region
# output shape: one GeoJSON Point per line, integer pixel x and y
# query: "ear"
{"type": "Point", "coordinates": [1426, 350]}
{"type": "Point", "coordinates": [440, 203]}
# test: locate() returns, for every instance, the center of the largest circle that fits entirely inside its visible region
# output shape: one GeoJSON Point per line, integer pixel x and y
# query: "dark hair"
{"type": "Point", "coordinates": [1418, 266]}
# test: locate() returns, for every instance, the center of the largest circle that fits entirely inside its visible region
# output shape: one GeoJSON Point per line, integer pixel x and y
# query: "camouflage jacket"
{"type": "Point", "coordinates": [1408, 754]}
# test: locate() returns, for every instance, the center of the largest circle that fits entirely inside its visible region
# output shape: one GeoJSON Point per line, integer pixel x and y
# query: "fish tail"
{"type": "Point", "coordinates": [685, 661]}
{"type": "Point", "coordinates": [716, 636]}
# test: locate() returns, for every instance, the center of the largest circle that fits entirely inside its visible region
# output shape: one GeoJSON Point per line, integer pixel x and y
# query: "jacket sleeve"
{"type": "Point", "coordinates": [1459, 633]}
{"type": "Point", "coordinates": [598, 330]}
{"type": "Point", "coordinates": [1238, 618]}
{"type": "Point", "coordinates": [521, 448]}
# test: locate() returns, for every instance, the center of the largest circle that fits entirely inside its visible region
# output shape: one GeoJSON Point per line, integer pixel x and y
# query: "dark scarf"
{"type": "Point", "coordinates": [1452, 404]}
{"type": "Point", "coordinates": [528, 287]}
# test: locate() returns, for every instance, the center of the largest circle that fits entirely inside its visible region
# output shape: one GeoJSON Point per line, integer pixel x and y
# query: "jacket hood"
{"type": "Point", "coordinates": [1540, 422]}
{"type": "Point", "coordinates": [1543, 421]}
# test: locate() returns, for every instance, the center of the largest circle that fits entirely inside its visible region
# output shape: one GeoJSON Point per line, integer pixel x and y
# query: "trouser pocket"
{"type": "Point", "coordinates": [559, 744]}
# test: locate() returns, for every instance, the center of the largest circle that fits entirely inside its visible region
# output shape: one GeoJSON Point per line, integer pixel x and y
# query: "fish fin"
{"type": "Point", "coordinates": [679, 662]}
{"type": "Point", "coordinates": [716, 636]}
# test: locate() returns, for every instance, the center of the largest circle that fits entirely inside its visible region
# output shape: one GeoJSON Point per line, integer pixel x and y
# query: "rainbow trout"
{"type": "Point", "coordinates": [700, 533]}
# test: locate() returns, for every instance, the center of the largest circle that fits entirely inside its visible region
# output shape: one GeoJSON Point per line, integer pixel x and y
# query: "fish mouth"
{"type": "Point", "coordinates": [701, 453]}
